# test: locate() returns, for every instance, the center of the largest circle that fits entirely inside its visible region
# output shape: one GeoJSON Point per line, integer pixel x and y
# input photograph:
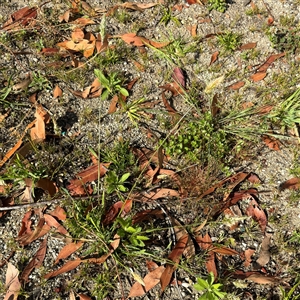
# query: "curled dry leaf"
{"type": "Point", "coordinates": [115, 210]}
{"type": "Point", "coordinates": [205, 243]}
{"type": "Point", "coordinates": [137, 6]}
{"type": "Point", "coordinates": [292, 184]}
{"type": "Point", "coordinates": [59, 213]}
{"type": "Point", "coordinates": [47, 185]}
{"type": "Point", "coordinates": [139, 41]}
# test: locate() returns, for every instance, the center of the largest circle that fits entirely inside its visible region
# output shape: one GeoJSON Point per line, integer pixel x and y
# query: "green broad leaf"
{"type": "Point", "coordinates": [124, 177]}
{"type": "Point", "coordinates": [130, 229]}
{"type": "Point", "coordinates": [142, 238]}
{"type": "Point", "coordinates": [104, 81]}
{"type": "Point", "coordinates": [122, 188]}
{"type": "Point", "coordinates": [124, 92]}
{"type": "Point", "coordinates": [216, 286]}
{"type": "Point", "coordinates": [105, 94]}
{"type": "Point", "coordinates": [221, 295]}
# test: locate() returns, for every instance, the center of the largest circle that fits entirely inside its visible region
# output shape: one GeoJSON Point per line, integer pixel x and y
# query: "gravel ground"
{"type": "Point", "coordinates": [78, 120]}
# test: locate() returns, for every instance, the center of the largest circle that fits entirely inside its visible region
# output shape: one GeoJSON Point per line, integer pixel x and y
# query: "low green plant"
{"type": "Point", "coordinates": [39, 82]}
{"type": "Point", "coordinates": [198, 139]}
{"type": "Point", "coordinates": [287, 113]}
{"type": "Point", "coordinates": [131, 233]}
{"type": "Point", "coordinates": [218, 5]}
{"type": "Point", "coordinates": [211, 290]}
{"type": "Point", "coordinates": [168, 17]}
{"type": "Point", "coordinates": [133, 109]}
{"type": "Point", "coordinates": [285, 39]}
{"type": "Point", "coordinates": [116, 184]}
{"type": "Point", "coordinates": [111, 84]}
{"type": "Point", "coordinates": [229, 41]}
{"type": "Point", "coordinates": [5, 92]}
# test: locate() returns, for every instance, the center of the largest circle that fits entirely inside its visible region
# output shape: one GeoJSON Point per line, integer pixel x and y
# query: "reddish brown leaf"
{"type": "Point", "coordinates": [270, 20]}
{"type": "Point", "coordinates": [169, 108]}
{"type": "Point", "coordinates": [47, 185]}
{"type": "Point", "coordinates": [59, 213]}
{"type": "Point", "coordinates": [269, 61]}
{"type": "Point", "coordinates": [248, 253]}
{"type": "Point", "coordinates": [248, 46]}
{"type": "Point", "coordinates": [113, 104]}
{"type": "Point", "coordinates": [191, 2]}
{"type": "Point", "coordinates": [263, 279]}
{"type": "Point", "coordinates": [175, 256]}
{"type": "Point", "coordinates": [236, 85]}
{"type": "Point", "coordinates": [214, 57]}
{"type": "Point", "coordinates": [83, 297]}
{"type": "Point", "coordinates": [28, 237]}
{"type": "Point", "coordinates": [113, 246]}
{"type": "Point", "coordinates": [258, 76]}
{"type": "Point", "coordinates": [49, 51]}
{"type": "Point", "coordinates": [21, 17]}
{"type": "Point", "coordinates": [224, 250]}
{"type": "Point", "coordinates": [150, 281]}
{"type": "Point", "coordinates": [70, 265]}
{"type": "Point", "coordinates": [257, 214]}
{"type": "Point", "coordinates": [178, 76]}
{"type": "Point", "coordinates": [36, 261]}
{"type": "Point", "coordinates": [115, 209]}
{"type": "Point", "coordinates": [271, 142]}
{"type": "Point", "coordinates": [205, 243]}
{"type": "Point", "coordinates": [147, 215]}
{"type": "Point", "coordinates": [53, 223]}
{"type": "Point", "coordinates": [133, 39]}
{"type": "Point", "coordinates": [67, 250]}
{"type": "Point", "coordinates": [292, 184]}
{"type": "Point", "coordinates": [88, 175]}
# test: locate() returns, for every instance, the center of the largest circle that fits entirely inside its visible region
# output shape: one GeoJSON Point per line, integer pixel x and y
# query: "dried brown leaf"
{"type": "Point", "coordinates": [264, 254]}
{"type": "Point", "coordinates": [115, 210]}
{"type": "Point", "coordinates": [257, 214]}
{"type": "Point", "coordinates": [214, 57]}
{"type": "Point", "coordinates": [292, 184]}
{"type": "Point", "coordinates": [59, 213]}
{"type": "Point", "coordinates": [137, 6]}
{"type": "Point", "coordinates": [271, 142]}
{"type": "Point", "coordinates": [263, 68]}
{"type": "Point", "coordinates": [36, 261]}
{"type": "Point", "coordinates": [150, 281]}
{"type": "Point", "coordinates": [70, 265]}
{"type": "Point", "coordinates": [47, 185]}
{"type": "Point", "coordinates": [258, 76]}
{"type": "Point", "coordinates": [67, 250]}
{"type": "Point", "coordinates": [57, 92]}
{"type": "Point", "coordinates": [248, 253]}
{"type": "Point", "coordinates": [178, 76]}
{"type": "Point", "coordinates": [51, 221]}
{"type": "Point", "coordinates": [12, 283]}
{"type": "Point", "coordinates": [175, 256]}
{"type": "Point", "coordinates": [236, 85]}
{"type": "Point", "coordinates": [248, 46]}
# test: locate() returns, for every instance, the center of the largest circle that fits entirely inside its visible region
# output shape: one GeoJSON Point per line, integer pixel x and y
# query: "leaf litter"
{"type": "Point", "coordinates": [85, 44]}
